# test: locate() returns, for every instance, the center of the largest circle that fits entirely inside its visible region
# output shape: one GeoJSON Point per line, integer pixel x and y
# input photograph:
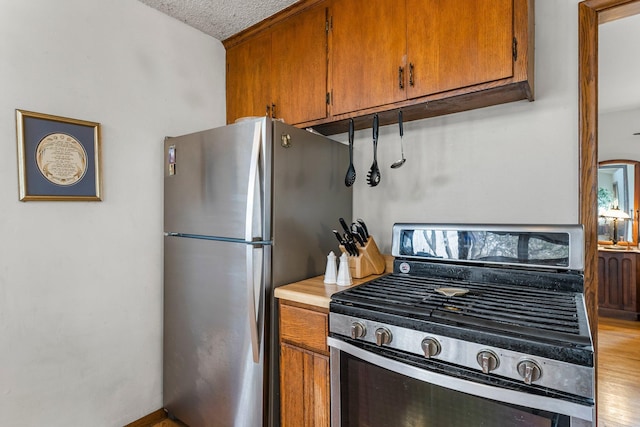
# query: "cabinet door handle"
{"type": "Point", "coordinates": [273, 111]}
{"type": "Point", "coordinates": [411, 82]}
{"type": "Point", "coordinates": [401, 77]}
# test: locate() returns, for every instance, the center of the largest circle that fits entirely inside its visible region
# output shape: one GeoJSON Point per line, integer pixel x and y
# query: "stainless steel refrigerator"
{"type": "Point", "coordinates": [247, 207]}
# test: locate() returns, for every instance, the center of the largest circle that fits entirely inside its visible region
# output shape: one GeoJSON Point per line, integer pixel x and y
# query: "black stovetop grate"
{"type": "Point", "coordinates": [528, 311]}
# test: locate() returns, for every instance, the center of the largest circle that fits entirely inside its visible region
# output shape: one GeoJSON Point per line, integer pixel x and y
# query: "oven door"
{"type": "Point", "coordinates": [370, 390]}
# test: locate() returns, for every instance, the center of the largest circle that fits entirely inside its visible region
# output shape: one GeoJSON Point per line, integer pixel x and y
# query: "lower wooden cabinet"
{"type": "Point", "coordinates": [618, 274]}
{"type": "Point", "coordinates": [304, 387]}
{"type": "Point", "coordinates": [304, 366]}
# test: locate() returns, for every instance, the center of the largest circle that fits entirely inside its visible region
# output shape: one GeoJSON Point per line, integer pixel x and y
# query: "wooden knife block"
{"type": "Point", "coordinates": [369, 260]}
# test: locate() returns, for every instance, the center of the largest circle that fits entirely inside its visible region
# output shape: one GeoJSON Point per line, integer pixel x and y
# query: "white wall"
{"type": "Point", "coordinates": [81, 282]}
{"type": "Point", "coordinates": [514, 163]}
{"type": "Point", "coordinates": [618, 65]}
{"type": "Point", "coordinates": [616, 139]}
{"type": "Point", "coordinates": [619, 89]}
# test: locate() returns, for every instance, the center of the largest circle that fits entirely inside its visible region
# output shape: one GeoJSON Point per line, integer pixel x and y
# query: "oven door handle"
{"type": "Point", "coordinates": [499, 394]}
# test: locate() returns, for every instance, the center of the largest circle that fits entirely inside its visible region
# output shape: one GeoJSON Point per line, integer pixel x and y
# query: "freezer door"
{"type": "Point", "coordinates": [211, 377]}
{"type": "Point", "coordinates": [213, 182]}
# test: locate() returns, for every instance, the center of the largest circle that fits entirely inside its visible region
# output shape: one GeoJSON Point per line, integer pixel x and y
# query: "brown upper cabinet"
{"type": "Point", "coordinates": [248, 78]}
{"type": "Point", "coordinates": [299, 67]}
{"type": "Point", "coordinates": [368, 46]}
{"type": "Point", "coordinates": [389, 51]}
{"type": "Point", "coordinates": [426, 57]}
{"type": "Point", "coordinates": [282, 71]}
{"type": "Point", "coordinates": [453, 44]}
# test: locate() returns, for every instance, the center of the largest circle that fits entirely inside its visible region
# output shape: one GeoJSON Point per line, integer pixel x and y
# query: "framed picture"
{"type": "Point", "coordinates": [58, 158]}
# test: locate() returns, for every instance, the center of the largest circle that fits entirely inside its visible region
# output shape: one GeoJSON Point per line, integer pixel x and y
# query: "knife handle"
{"type": "Point", "coordinates": [344, 225]}
{"type": "Point", "coordinates": [364, 227]}
{"type": "Point", "coordinates": [350, 245]}
{"type": "Point", "coordinates": [356, 234]}
{"type": "Point", "coordinates": [359, 231]}
{"type": "Point", "coordinates": [350, 248]}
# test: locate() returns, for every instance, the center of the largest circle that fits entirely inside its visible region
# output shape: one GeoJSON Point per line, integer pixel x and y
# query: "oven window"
{"type": "Point", "coordinates": [487, 246]}
{"type": "Point", "coordinates": [371, 396]}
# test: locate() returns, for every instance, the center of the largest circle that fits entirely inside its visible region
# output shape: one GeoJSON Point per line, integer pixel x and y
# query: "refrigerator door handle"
{"type": "Point", "coordinates": [251, 294]}
{"type": "Point", "coordinates": [253, 176]}
{"type": "Point", "coordinates": [251, 191]}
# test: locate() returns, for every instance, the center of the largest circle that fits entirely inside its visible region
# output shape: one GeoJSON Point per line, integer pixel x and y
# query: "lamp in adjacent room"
{"type": "Point", "coordinates": [615, 214]}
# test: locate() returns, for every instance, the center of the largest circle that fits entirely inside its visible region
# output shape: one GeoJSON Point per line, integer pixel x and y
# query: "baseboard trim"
{"type": "Point", "coordinates": [618, 314]}
{"type": "Point", "coordinates": [149, 420]}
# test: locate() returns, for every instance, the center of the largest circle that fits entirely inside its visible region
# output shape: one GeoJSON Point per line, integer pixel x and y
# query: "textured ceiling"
{"type": "Point", "coordinates": [219, 18]}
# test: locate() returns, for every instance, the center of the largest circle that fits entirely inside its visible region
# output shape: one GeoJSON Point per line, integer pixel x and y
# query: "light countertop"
{"type": "Point", "coordinates": [314, 291]}
{"type": "Point", "coordinates": [622, 249]}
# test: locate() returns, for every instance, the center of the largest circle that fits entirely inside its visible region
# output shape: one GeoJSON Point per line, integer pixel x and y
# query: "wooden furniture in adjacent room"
{"type": "Point", "coordinates": [618, 275]}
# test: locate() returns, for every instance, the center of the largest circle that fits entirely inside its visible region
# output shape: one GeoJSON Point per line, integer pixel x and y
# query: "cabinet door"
{"type": "Point", "coordinates": [453, 44]}
{"type": "Point", "coordinates": [248, 78]}
{"type": "Point", "coordinates": [629, 277]}
{"type": "Point", "coordinates": [292, 380]}
{"type": "Point", "coordinates": [320, 405]}
{"type": "Point", "coordinates": [603, 280]}
{"type": "Point", "coordinates": [615, 291]}
{"type": "Point", "coordinates": [299, 66]}
{"type": "Point", "coordinates": [617, 280]}
{"type": "Point", "coordinates": [368, 46]}
{"type": "Point", "coordinates": [618, 275]}
{"type": "Point", "coordinates": [304, 393]}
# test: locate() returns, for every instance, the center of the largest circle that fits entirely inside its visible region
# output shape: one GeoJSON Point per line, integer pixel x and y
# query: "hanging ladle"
{"type": "Point", "coordinates": [400, 162]}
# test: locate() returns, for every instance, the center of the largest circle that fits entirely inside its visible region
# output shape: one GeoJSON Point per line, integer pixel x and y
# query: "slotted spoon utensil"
{"type": "Point", "coordinates": [350, 178]}
{"type": "Point", "coordinates": [400, 162]}
{"type": "Point", "coordinates": [373, 176]}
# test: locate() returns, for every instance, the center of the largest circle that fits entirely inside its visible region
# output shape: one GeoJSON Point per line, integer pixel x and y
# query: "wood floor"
{"type": "Point", "coordinates": [618, 374]}
{"type": "Point", "coordinates": [167, 423]}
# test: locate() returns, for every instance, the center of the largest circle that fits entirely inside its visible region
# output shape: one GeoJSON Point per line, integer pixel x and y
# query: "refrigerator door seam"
{"type": "Point", "coordinates": [219, 238]}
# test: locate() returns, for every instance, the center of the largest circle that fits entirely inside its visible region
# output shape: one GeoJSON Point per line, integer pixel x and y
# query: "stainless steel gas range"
{"type": "Point", "coordinates": [476, 326]}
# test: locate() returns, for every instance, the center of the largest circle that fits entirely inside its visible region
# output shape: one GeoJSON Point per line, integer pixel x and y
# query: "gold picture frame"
{"type": "Point", "coordinates": [58, 158]}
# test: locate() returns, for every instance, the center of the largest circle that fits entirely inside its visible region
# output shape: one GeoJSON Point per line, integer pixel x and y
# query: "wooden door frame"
{"type": "Point", "coordinates": [591, 13]}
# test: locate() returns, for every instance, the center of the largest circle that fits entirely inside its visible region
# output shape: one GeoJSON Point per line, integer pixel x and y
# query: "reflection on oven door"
{"type": "Point", "coordinates": [364, 394]}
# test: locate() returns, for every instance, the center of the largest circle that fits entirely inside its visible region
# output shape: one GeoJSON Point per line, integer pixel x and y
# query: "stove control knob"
{"type": "Point", "coordinates": [383, 336]}
{"type": "Point", "coordinates": [488, 360]}
{"type": "Point", "coordinates": [358, 330]}
{"type": "Point", "coordinates": [529, 370]}
{"type": "Point", "coordinates": [431, 347]}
